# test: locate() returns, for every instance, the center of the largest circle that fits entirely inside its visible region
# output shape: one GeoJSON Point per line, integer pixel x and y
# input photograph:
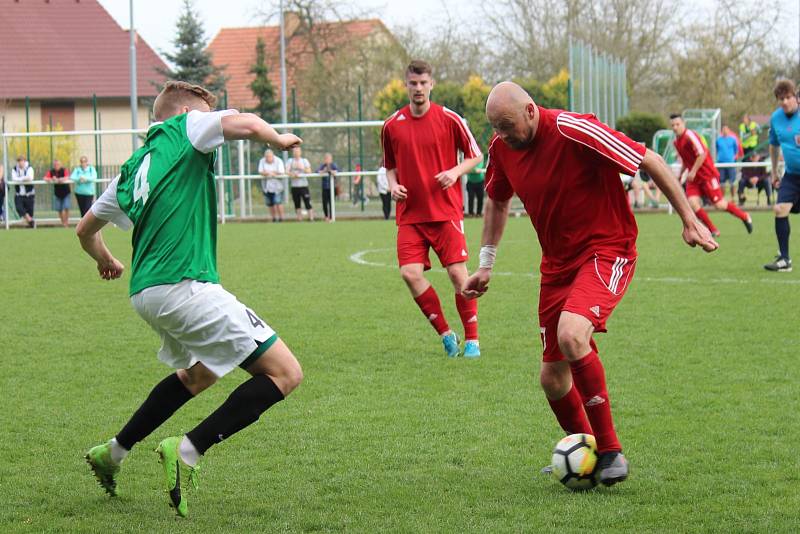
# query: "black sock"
{"type": "Point", "coordinates": [165, 399]}
{"type": "Point", "coordinates": [242, 408]}
{"type": "Point", "coordinates": [782, 232]}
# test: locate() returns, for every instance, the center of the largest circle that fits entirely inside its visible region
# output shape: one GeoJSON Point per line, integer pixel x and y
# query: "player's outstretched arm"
{"type": "Point", "coordinates": [774, 156]}
{"type": "Point", "coordinates": [252, 127]}
{"type": "Point", "coordinates": [91, 239]}
{"type": "Point", "coordinates": [694, 233]}
{"type": "Point", "coordinates": [494, 223]}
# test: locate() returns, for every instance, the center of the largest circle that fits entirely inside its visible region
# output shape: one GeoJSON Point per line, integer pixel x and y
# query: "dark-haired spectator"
{"type": "Point", "coordinates": [755, 177]}
{"type": "Point", "coordinates": [475, 180]}
{"type": "Point", "coordinates": [85, 178]}
{"type": "Point", "coordinates": [328, 170]}
{"type": "Point", "coordinates": [270, 168]}
{"type": "Point", "coordinates": [61, 190]}
{"type": "Point", "coordinates": [24, 193]}
{"type": "Point", "coordinates": [727, 149]}
{"type": "Point", "coordinates": [297, 170]}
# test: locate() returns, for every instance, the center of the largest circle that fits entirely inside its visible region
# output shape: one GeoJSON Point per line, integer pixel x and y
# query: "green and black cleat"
{"type": "Point", "coordinates": [175, 471]}
{"type": "Point", "coordinates": [103, 467]}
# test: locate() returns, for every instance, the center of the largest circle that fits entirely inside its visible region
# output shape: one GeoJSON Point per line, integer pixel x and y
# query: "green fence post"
{"type": "Point", "coordinates": [361, 150]}
{"type": "Point", "coordinates": [349, 154]}
{"type": "Point", "coordinates": [28, 127]}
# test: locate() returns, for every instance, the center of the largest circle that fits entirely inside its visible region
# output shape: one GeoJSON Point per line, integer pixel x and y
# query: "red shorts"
{"type": "Point", "coordinates": [709, 188]}
{"type": "Point", "coordinates": [446, 238]}
{"type": "Point", "coordinates": [594, 292]}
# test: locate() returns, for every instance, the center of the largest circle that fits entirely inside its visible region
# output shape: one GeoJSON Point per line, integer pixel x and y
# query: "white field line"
{"type": "Point", "coordinates": [358, 258]}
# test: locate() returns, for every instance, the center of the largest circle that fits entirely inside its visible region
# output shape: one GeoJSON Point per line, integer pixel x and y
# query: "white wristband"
{"type": "Point", "coordinates": [487, 256]}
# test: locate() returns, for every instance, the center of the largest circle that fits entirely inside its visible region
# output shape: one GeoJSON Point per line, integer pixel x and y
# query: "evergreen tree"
{"type": "Point", "coordinates": [262, 88]}
{"type": "Point", "coordinates": [192, 61]}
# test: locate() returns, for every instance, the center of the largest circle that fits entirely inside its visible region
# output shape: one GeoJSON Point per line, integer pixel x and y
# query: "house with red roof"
{"type": "Point", "coordinates": [235, 49]}
{"type": "Point", "coordinates": [61, 53]}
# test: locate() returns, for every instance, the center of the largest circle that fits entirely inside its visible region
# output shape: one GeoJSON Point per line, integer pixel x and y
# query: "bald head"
{"type": "Point", "coordinates": [507, 98]}
{"type": "Point", "coordinates": [512, 114]}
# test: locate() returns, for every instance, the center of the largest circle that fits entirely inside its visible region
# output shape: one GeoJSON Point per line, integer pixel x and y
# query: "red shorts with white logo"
{"type": "Point", "coordinates": [446, 238]}
{"type": "Point", "coordinates": [594, 292]}
{"type": "Point", "coordinates": [702, 187]}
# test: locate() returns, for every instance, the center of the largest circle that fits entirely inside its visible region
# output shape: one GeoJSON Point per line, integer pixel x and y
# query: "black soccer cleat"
{"type": "Point", "coordinates": [780, 265]}
{"type": "Point", "coordinates": [749, 225]}
{"type": "Point", "coordinates": [612, 467]}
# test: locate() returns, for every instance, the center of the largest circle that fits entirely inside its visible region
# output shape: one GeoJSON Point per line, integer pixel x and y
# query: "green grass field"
{"type": "Point", "coordinates": [388, 435]}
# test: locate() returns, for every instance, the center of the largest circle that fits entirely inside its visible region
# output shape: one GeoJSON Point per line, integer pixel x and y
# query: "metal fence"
{"type": "Point", "coordinates": [597, 83]}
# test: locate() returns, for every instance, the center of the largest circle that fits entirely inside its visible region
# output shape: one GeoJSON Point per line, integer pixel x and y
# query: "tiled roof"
{"type": "Point", "coordinates": [69, 49]}
{"type": "Point", "coordinates": [235, 48]}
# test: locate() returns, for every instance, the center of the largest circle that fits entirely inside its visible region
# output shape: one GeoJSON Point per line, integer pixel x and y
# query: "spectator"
{"type": "Point", "coordinates": [475, 190]}
{"type": "Point", "coordinates": [298, 168]}
{"type": "Point", "coordinates": [748, 133]}
{"type": "Point", "coordinates": [755, 177]}
{"type": "Point", "coordinates": [85, 176]}
{"type": "Point", "coordinates": [61, 190]}
{"type": "Point", "coordinates": [2, 194]}
{"type": "Point", "coordinates": [25, 195]}
{"type": "Point", "coordinates": [328, 170]}
{"type": "Point", "coordinates": [383, 191]}
{"type": "Point", "coordinates": [271, 167]}
{"type": "Point", "coordinates": [727, 149]}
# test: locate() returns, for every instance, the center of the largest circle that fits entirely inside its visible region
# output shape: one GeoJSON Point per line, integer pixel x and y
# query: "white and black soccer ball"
{"type": "Point", "coordinates": [574, 461]}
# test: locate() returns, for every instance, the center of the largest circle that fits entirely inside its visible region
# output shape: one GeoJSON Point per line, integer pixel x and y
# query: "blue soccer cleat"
{"type": "Point", "coordinates": [472, 349]}
{"type": "Point", "coordinates": [450, 342]}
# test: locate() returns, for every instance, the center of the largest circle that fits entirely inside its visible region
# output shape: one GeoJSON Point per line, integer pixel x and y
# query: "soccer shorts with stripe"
{"type": "Point", "coordinates": [593, 292]}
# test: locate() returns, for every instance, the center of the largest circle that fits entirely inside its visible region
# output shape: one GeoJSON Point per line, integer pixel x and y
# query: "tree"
{"type": "Point", "coordinates": [191, 59]}
{"type": "Point", "coordinates": [392, 97]}
{"type": "Point", "coordinates": [641, 126]}
{"type": "Point", "coordinates": [262, 87]}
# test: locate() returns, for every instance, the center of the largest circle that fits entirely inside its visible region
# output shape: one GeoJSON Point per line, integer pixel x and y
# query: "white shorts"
{"type": "Point", "coordinates": [201, 322]}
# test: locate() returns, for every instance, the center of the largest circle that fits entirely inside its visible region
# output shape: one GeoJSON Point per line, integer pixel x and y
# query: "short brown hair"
{"type": "Point", "coordinates": [418, 66]}
{"type": "Point", "coordinates": [784, 88]}
{"type": "Point", "coordinates": [176, 94]}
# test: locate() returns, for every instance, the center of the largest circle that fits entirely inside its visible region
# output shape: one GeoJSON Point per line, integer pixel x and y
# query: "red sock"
{"type": "Point", "coordinates": [468, 311]}
{"type": "Point", "coordinates": [590, 379]}
{"type": "Point", "coordinates": [429, 303]}
{"type": "Point", "coordinates": [736, 212]}
{"type": "Point", "coordinates": [570, 413]}
{"type": "Point", "coordinates": [703, 216]}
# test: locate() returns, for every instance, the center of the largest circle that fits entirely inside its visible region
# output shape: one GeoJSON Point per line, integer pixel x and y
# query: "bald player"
{"type": "Point", "coordinates": [565, 168]}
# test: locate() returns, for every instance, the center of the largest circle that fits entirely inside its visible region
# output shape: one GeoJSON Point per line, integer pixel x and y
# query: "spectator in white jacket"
{"type": "Point", "coordinates": [24, 194]}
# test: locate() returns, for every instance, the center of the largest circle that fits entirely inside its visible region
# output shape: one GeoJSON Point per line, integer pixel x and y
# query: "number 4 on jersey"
{"type": "Point", "coordinates": [141, 187]}
{"type": "Point", "coordinates": [254, 320]}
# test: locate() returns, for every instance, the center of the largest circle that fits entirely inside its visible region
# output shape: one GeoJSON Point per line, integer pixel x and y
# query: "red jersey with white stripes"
{"type": "Point", "coordinates": [419, 148]}
{"type": "Point", "coordinates": [568, 180]}
{"type": "Point", "coordinates": [690, 147]}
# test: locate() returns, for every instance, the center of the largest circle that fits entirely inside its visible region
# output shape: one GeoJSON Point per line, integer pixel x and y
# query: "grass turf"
{"type": "Point", "coordinates": [386, 433]}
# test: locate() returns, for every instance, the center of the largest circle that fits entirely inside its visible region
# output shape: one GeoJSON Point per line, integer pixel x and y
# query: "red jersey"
{"type": "Point", "coordinates": [419, 148]}
{"type": "Point", "coordinates": [568, 180]}
{"type": "Point", "coordinates": [690, 147]}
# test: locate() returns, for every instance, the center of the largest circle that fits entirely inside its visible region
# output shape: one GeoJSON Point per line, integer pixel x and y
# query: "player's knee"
{"type": "Point", "coordinates": [572, 343]}
{"type": "Point", "coordinates": [411, 277]}
{"type": "Point", "coordinates": [290, 378]}
{"type": "Point", "coordinates": [197, 381]}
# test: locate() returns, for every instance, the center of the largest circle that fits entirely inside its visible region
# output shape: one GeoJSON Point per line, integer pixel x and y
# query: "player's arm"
{"type": "Point", "coordinates": [252, 127]}
{"type": "Point", "coordinates": [694, 232]}
{"type": "Point", "coordinates": [91, 239]}
{"type": "Point", "coordinates": [494, 223]}
{"type": "Point", "coordinates": [774, 158]}
{"type": "Point", "coordinates": [698, 162]}
{"type": "Point", "coordinates": [449, 177]}
{"type": "Point", "coordinates": [398, 191]}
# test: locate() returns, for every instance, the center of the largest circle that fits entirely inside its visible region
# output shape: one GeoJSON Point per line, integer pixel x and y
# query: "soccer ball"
{"type": "Point", "coordinates": [574, 461]}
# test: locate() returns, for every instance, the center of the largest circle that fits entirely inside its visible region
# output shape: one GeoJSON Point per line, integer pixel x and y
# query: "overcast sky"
{"type": "Point", "coordinates": [155, 19]}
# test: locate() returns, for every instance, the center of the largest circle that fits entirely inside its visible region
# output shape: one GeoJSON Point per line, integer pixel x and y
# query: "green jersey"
{"type": "Point", "coordinates": [166, 190]}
